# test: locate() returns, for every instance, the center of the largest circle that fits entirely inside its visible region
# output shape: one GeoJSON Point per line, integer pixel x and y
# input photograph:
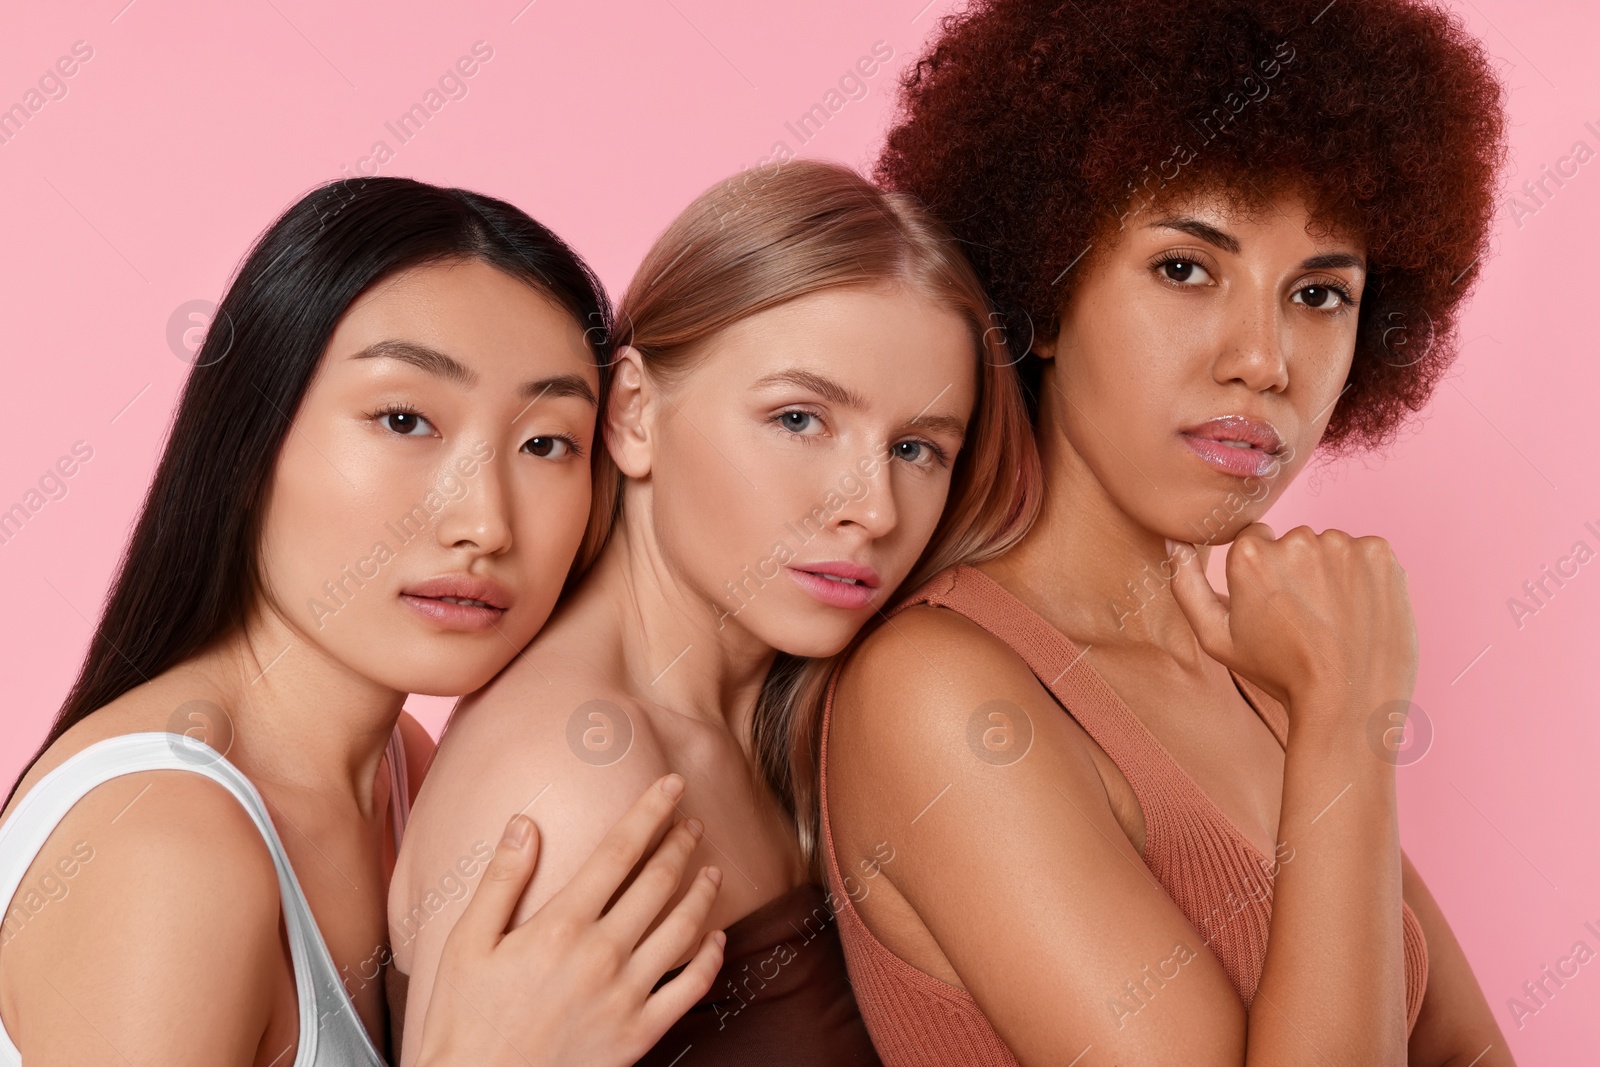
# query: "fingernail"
{"type": "Point", "coordinates": [1172, 546]}
{"type": "Point", "coordinates": [696, 828]}
{"type": "Point", "coordinates": [672, 785]}
{"type": "Point", "coordinates": [517, 830]}
{"type": "Point", "coordinates": [714, 874]}
{"type": "Point", "coordinates": [720, 938]}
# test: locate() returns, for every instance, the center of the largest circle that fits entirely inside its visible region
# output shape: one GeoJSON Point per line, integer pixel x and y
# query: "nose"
{"type": "Point", "coordinates": [1253, 351]}
{"type": "Point", "coordinates": [871, 509]}
{"type": "Point", "coordinates": [476, 514]}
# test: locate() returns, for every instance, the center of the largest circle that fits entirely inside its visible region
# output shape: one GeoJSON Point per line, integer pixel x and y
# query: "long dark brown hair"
{"type": "Point", "coordinates": [190, 571]}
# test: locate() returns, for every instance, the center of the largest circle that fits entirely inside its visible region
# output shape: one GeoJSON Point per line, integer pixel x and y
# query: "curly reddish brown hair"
{"type": "Point", "coordinates": [1031, 127]}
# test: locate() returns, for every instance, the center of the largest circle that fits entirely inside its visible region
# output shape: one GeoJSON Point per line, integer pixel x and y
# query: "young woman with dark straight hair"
{"type": "Point", "coordinates": [377, 483]}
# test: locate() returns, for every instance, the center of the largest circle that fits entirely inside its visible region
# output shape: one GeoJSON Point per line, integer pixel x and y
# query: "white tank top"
{"type": "Point", "coordinates": [331, 1033]}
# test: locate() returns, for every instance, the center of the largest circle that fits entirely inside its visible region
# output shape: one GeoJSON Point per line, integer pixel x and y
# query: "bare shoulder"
{"type": "Point", "coordinates": [565, 749]}
{"type": "Point", "coordinates": [121, 918]}
{"type": "Point", "coordinates": [931, 649]}
{"type": "Point", "coordinates": [128, 714]}
{"type": "Point", "coordinates": [930, 694]}
{"type": "Point", "coordinates": [168, 703]}
{"type": "Point", "coordinates": [546, 739]}
{"type": "Point", "coordinates": [568, 736]}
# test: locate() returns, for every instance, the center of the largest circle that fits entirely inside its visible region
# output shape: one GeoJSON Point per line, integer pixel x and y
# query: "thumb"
{"type": "Point", "coordinates": [1206, 611]}
{"type": "Point", "coordinates": [488, 912]}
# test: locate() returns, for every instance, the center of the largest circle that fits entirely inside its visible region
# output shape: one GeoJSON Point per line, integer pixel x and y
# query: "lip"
{"type": "Point", "coordinates": [427, 599]}
{"type": "Point", "coordinates": [1254, 456]}
{"type": "Point", "coordinates": [848, 595]}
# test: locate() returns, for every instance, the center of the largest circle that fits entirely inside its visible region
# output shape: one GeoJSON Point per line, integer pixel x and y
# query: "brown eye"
{"type": "Point", "coordinates": [406, 423]}
{"type": "Point", "coordinates": [547, 447]}
{"type": "Point", "coordinates": [1183, 271]}
{"type": "Point", "coordinates": [1321, 297]}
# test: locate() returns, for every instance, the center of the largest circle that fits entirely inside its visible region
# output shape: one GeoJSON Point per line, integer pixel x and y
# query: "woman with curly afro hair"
{"type": "Point", "coordinates": [1079, 807]}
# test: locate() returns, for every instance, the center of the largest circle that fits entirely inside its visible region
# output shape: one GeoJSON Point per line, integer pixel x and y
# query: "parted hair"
{"type": "Point", "coordinates": [761, 239]}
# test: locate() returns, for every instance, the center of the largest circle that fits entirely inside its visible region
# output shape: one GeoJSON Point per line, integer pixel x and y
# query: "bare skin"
{"type": "Point", "coordinates": [302, 700]}
{"type": "Point", "coordinates": [1195, 311]}
{"type": "Point", "coordinates": [714, 475]}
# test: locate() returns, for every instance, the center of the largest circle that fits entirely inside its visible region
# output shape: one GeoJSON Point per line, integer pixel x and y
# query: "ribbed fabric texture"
{"type": "Point", "coordinates": [1220, 881]}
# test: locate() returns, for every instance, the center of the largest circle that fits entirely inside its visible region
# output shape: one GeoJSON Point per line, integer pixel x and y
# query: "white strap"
{"type": "Point", "coordinates": [38, 813]}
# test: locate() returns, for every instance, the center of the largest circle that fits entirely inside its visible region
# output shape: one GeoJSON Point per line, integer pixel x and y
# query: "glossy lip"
{"type": "Point", "coordinates": [1257, 460]}
{"type": "Point", "coordinates": [835, 593]}
{"type": "Point", "coordinates": [425, 598]}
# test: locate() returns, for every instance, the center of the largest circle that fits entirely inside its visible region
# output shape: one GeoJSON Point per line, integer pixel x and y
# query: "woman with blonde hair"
{"type": "Point", "coordinates": [809, 411]}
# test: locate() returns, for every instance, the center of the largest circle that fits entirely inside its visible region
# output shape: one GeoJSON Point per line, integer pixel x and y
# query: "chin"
{"type": "Point", "coordinates": [446, 673]}
{"type": "Point", "coordinates": [440, 685]}
{"type": "Point", "coordinates": [819, 639]}
{"type": "Point", "coordinates": [1207, 516]}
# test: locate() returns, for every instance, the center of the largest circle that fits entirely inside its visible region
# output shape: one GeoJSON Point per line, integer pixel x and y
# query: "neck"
{"type": "Point", "coordinates": [297, 717]}
{"type": "Point", "coordinates": [680, 649]}
{"type": "Point", "coordinates": [1096, 573]}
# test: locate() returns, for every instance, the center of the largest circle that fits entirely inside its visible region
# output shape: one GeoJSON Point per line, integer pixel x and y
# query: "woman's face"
{"type": "Point", "coordinates": [433, 490]}
{"type": "Point", "coordinates": [1200, 358]}
{"type": "Point", "coordinates": [797, 471]}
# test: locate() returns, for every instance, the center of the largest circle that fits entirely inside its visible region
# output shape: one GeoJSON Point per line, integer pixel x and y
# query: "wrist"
{"type": "Point", "coordinates": [1350, 731]}
{"type": "Point", "coordinates": [1335, 699]}
{"type": "Point", "coordinates": [448, 1047]}
{"type": "Point", "coordinates": [443, 1046]}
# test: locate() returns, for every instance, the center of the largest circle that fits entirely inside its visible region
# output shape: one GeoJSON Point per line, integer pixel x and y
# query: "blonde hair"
{"type": "Point", "coordinates": [760, 240]}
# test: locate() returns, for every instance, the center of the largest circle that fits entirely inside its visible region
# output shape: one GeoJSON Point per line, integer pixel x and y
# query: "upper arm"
{"type": "Point", "coordinates": [158, 937]}
{"type": "Point", "coordinates": [500, 757]}
{"type": "Point", "coordinates": [945, 746]}
{"type": "Point", "coordinates": [1455, 1019]}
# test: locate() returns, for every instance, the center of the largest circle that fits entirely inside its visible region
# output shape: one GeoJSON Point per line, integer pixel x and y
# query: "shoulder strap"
{"type": "Point", "coordinates": [943, 591]}
{"type": "Point", "coordinates": [1059, 665]}
{"type": "Point", "coordinates": [399, 787]}
{"type": "Point", "coordinates": [38, 813]}
{"type": "Point", "coordinates": [1169, 797]}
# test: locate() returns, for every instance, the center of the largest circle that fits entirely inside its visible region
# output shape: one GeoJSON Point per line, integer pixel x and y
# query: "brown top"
{"type": "Point", "coordinates": [1221, 882]}
{"type": "Point", "coordinates": [782, 998]}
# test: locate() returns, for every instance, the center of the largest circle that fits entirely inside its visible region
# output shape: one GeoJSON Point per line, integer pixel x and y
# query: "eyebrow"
{"type": "Point", "coordinates": [1228, 243]}
{"type": "Point", "coordinates": [1334, 259]}
{"type": "Point", "coordinates": [1200, 231]}
{"type": "Point", "coordinates": [843, 396]}
{"type": "Point", "coordinates": [950, 424]}
{"type": "Point", "coordinates": [434, 362]}
{"type": "Point", "coordinates": [572, 385]}
{"type": "Point", "coordinates": [824, 387]}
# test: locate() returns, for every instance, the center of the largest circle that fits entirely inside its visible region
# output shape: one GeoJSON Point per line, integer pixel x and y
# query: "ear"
{"type": "Point", "coordinates": [630, 414]}
{"type": "Point", "coordinates": [1045, 349]}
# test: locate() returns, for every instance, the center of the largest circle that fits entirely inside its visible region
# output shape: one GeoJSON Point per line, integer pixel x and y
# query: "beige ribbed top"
{"type": "Point", "coordinates": [1221, 882]}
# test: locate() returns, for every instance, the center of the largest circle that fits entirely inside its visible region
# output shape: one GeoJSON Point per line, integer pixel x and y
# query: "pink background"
{"type": "Point", "coordinates": [192, 127]}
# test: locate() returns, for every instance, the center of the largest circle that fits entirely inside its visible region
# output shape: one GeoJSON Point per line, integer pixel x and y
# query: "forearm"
{"type": "Point", "coordinates": [1333, 985]}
